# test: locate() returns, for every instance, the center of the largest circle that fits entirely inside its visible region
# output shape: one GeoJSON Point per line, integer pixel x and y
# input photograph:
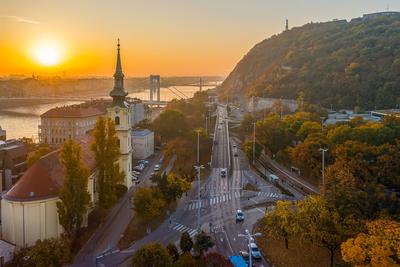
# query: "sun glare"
{"type": "Point", "coordinates": [47, 53]}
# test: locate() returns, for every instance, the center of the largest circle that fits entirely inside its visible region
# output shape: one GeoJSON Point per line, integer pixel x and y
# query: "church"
{"type": "Point", "coordinates": [28, 209]}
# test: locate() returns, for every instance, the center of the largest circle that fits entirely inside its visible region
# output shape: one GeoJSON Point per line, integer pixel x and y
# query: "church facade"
{"type": "Point", "coordinates": [121, 113]}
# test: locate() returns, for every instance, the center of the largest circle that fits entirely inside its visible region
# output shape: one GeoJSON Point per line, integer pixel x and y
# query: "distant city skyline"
{"type": "Point", "coordinates": [170, 38]}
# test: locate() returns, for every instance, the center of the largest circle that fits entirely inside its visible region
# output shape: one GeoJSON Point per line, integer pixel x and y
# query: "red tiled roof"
{"type": "Point", "coordinates": [45, 177]}
{"type": "Point", "coordinates": [72, 112]}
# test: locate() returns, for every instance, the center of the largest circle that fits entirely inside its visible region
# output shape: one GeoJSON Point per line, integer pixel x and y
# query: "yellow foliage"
{"type": "Point", "coordinates": [380, 247]}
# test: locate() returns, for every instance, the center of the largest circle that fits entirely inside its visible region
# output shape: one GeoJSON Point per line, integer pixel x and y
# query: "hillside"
{"type": "Point", "coordinates": [347, 64]}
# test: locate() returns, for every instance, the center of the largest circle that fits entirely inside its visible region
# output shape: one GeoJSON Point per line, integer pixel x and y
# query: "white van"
{"type": "Point", "coordinates": [273, 178]}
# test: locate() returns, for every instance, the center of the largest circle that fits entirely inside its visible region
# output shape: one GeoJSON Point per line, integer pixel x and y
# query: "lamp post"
{"type": "Point", "coordinates": [254, 143]}
{"type": "Point", "coordinates": [323, 150]}
{"type": "Point", "coordinates": [198, 168]}
{"type": "Point", "coordinates": [322, 123]}
{"type": "Point", "coordinates": [249, 237]}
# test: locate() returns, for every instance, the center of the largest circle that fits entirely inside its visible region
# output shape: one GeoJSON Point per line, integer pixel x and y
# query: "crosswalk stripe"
{"type": "Point", "coordinates": [179, 228]}
{"type": "Point", "coordinates": [192, 232]}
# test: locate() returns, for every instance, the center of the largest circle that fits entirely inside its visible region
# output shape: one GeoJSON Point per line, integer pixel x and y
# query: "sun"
{"type": "Point", "coordinates": [47, 53]}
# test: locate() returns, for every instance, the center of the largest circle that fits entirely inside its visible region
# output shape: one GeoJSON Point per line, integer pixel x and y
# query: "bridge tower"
{"type": "Point", "coordinates": [155, 85]}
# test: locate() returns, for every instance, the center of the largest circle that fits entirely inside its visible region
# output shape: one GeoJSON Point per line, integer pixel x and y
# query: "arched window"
{"type": "Point", "coordinates": [116, 120]}
{"type": "Point", "coordinates": [118, 142]}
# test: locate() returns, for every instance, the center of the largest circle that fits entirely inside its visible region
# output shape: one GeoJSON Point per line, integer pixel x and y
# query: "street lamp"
{"type": "Point", "coordinates": [323, 165]}
{"type": "Point", "coordinates": [322, 123]}
{"type": "Point", "coordinates": [254, 143]}
{"type": "Point", "coordinates": [249, 237]}
{"type": "Point", "coordinates": [198, 168]}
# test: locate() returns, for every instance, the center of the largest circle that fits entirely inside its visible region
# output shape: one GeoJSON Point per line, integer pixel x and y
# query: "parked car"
{"type": "Point", "coordinates": [156, 168]}
{"type": "Point", "coordinates": [161, 160]}
{"type": "Point", "coordinates": [239, 216]}
{"type": "Point", "coordinates": [255, 252]}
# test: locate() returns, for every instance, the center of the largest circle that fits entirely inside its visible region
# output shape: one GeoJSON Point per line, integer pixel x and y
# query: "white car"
{"type": "Point", "coordinates": [156, 168]}
{"type": "Point", "coordinates": [255, 252]}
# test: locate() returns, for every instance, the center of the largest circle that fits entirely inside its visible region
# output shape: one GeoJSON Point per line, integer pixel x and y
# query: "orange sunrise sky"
{"type": "Point", "coordinates": [175, 37]}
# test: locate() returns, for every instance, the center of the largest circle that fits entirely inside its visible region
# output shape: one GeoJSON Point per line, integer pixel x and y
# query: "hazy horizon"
{"type": "Point", "coordinates": [174, 38]}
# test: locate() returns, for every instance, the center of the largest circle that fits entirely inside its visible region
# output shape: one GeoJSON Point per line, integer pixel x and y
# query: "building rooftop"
{"type": "Point", "coordinates": [10, 144]}
{"type": "Point", "coordinates": [74, 111]}
{"type": "Point", "coordinates": [45, 177]}
{"type": "Point", "coordinates": [141, 132]}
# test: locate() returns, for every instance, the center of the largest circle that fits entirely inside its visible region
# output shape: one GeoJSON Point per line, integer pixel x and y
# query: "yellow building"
{"type": "Point", "coordinates": [28, 210]}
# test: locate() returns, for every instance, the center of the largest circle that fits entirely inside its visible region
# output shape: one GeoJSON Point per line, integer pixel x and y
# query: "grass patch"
{"type": "Point", "coordinates": [137, 228]}
{"type": "Point", "coordinates": [299, 253]}
{"type": "Point", "coordinates": [250, 187]}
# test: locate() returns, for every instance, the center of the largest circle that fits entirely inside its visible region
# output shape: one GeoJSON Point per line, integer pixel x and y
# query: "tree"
{"type": "Point", "coordinates": [171, 124]}
{"type": "Point", "coordinates": [322, 225]}
{"type": "Point", "coordinates": [280, 222]}
{"type": "Point", "coordinates": [35, 156]}
{"type": "Point", "coordinates": [148, 202]}
{"type": "Point", "coordinates": [379, 247]}
{"type": "Point", "coordinates": [171, 186]}
{"type": "Point", "coordinates": [106, 150]}
{"type": "Point", "coordinates": [151, 255]}
{"type": "Point", "coordinates": [248, 149]}
{"type": "Point", "coordinates": [246, 125]}
{"type": "Point", "coordinates": [214, 259]}
{"type": "Point", "coordinates": [272, 133]}
{"type": "Point", "coordinates": [74, 195]}
{"type": "Point", "coordinates": [186, 242]}
{"type": "Point", "coordinates": [307, 156]}
{"type": "Point", "coordinates": [186, 260]}
{"type": "Point", "coordinates": [308, 128]}
{"type": "Point", "coordinates": [50, 253]}
{"type": "Point", "coordinates": [202, 243]}
{"type": "Point", "coordinates": [173, 252]}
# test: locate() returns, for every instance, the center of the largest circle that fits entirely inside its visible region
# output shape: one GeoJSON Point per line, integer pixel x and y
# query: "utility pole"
{"type": "Point", "coordinates": [323, 165]}
{"type": "Point", "coordinates": [198, 167]}
{"type": "Point", "coordinates": [249, 238]}
{"type": "Point", "coordinates": [207, 125]}
{"type": "Point", "coordinates": [254, 143]}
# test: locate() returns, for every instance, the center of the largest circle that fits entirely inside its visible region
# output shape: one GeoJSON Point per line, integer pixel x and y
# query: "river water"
{"type": "Point", "coordinates": [22, 119]}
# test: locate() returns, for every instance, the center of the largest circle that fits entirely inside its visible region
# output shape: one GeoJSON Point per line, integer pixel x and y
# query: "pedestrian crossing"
{"type": "Point", "coordinates": [269, 195]}
{"type": "Point", "coordinates": [213, 200]}
{"type": "Point", "coordinates": [183, 228]}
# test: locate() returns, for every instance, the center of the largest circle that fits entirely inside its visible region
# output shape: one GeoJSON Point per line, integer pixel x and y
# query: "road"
{"type": "Point", "coordinates": [220, 198]}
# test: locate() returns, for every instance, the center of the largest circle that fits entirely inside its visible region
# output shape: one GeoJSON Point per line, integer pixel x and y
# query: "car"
{"type": "Point", "coordinates": [234, 145]}
{"type": "Point", "coordinates": [239, 216]}
{"type": "Point", "coordinates": [136, 172]}
{"type": "Point", "coordinates": [143, 162]}
{"type": "Point", "coordinates": [223, 172]}
{"type": "Point", "coordinates": [255, 252]}
{"type": "Point", "coordinates": [161, 160]}
{"type": "Point", "coordinates": [236, 154]}
{"type": "Point", "coordinates": [156, 168]}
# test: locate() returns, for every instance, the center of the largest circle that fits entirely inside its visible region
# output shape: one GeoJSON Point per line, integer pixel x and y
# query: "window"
{"type": "Point", "coordinates": [116, 120]}
{"type": "Point", "coordinates": [118, 142]}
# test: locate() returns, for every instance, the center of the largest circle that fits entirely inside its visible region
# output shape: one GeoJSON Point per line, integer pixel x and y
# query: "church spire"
{"type": "Point", "coordinates": [118, 93]}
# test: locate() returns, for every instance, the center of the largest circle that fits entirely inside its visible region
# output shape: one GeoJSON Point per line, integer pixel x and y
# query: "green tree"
{"type": "Point", "coordinates": [173, 252]}
{"type": "Point", "coordinates": [151, 255]}
{"type": "Point", "coordinates": [148, 202]}
{"type": "Point", "coordinates": [106, 150]}
{"type": "Point", "coordinates": [248, 149]}
{"type": "Point", "coordinates": [74, 195]}
{"type": "Point", "coordinates": [36, 155]}
{"type": "Point", "coordinates": [186, 242]}
{"type": "Point", "coordinates": [202, 243]}
{"type": "Point", "coordinates": [50, 253]}
{"type": "Point", "coordinates": [171, 124]}
{"type": "Point", "coordinates": [272, 133]}
{"type": "Point", "coordinates": [246, 125]}
{"type": "Point", "coordinates": [280, 223]}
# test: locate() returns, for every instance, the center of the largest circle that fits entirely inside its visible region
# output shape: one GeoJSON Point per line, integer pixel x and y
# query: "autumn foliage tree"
{"type": "Point", "coordinates": [74, 195]}
{"type": "Point", "coordinates": [106, 149]}
{"type": "Point", "coordinates": [151, 255]}
{"type": "Point", "coordinates": [380, 246]}
{"type": "Point", "coordinates": [49, 253]}
{"type": "Point", "coordinates": [148, 202]}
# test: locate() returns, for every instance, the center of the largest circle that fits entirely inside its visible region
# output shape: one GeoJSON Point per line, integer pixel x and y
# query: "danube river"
{"type": "Point", "coordinates": [20, 118]}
